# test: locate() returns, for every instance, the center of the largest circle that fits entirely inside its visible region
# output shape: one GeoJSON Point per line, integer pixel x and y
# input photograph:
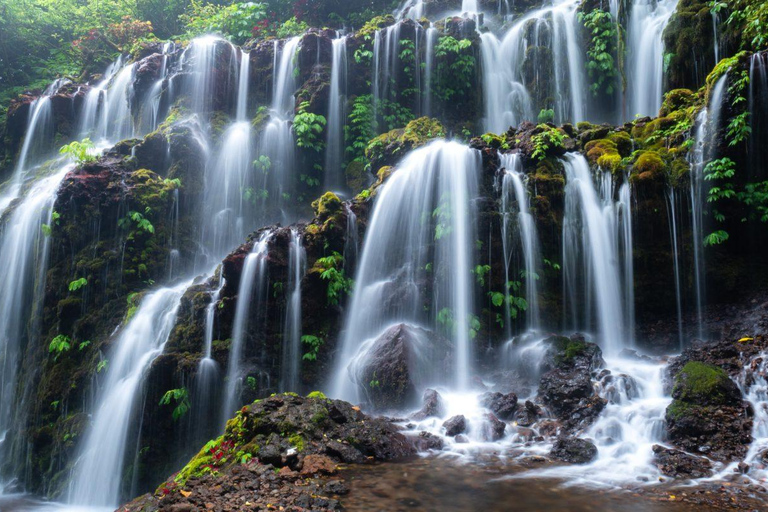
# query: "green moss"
{"type": "Point", "coordinates": [297, 442]}
{"type": "Point", "coordinates": [677, 99]}
{"type": "Point", "coordinates": [623, 142]}
{"type": "Point", "coordinates": [723, 67]}
{"type": "Point", "coordinates": [679, 409]}
{"type": "Point", "coordinates": [379, 22]}
{"type": "Point", "coordinates": [317, 394]}
{"type": "Point", "coordinates": [495, 141]}
{"type": "Point", "coordinates": [416, 133]}
{"type": "Point", "coordinates": [200, 464]}
{"type": "Point", "coordinates": [326, 205]}
{"type": "Point", "coordinates": [604, 153]}
{"type": "Point", "coordinates": [649, 165]}
{"type": "Point", "coordinates": [701, 383]}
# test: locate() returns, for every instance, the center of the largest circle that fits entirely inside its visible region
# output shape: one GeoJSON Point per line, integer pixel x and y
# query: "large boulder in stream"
{"type": "Point", "coordinates": [392, 368]}
{"type": "Point", "coordinates": [574, 450]}
{"type": "Point", "coordinates": [279, 453]}
{"type": "Point", "coordinates": [678, 464]}
{"type": "Point", "coordinates": [567, 388]}
{"type": "Point", "coordinates": [707, 414]}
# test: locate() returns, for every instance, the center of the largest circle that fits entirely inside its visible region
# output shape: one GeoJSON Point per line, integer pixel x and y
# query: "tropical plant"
{"type": "Point", "coordinates": [179, 397]}
{"type": "Point", "coordinates": [79, 151]}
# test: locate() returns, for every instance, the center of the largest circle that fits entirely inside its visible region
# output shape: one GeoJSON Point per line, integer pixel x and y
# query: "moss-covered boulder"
{"type": "Point", "coordinates": [388, 148]}
{"type": "Point", "coordinates": [707, 414]}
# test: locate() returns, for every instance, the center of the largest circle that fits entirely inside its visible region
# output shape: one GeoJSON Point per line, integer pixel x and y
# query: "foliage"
{"type": "Point", "coordinates": [549, 138]}
{"type": "Point", "coordinates": [181, 398]}
{"type": "Point", "coordinates": [332, 270]}
{"type": "Point", "coordinates": [59, 345]}
{"type": "Point", "coordinates": [79, 151]}
{"type": "Point", "coordinates": [455, 68]}
{"type": "Point", "coordinates": [367, 118]}
{"type": "Point", "coordinates": [308, 128]}
{"type": "Point", "coordinates": [602, 47]}
{"type": "Point", "coordinates": [141, 222]}
{"type": "Point", "coordinates": [748, 19]}
{"type": "Point", "coordinates": [77, 284]}
{"type": "Point", "coordinates": [235, 21]}
{"type": "Point", "coordinates": [546, 115]}
{"type": "Point", "coordinates": [313, 344]}
{"type": "Point", "coordinates": [47, 228]}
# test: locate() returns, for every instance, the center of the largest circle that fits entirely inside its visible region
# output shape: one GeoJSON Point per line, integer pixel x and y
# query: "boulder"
{"type": "Point", "coordinates": [432, 406]}
{"type": "Point", "coordinates": [493, 428]}
{"type": "Point", "coordinates": [426, 441]}
{"type": "Point", "coordinates": [389, 369]}
{"type": "Point", "coordinates": [455, 425]}
{"type": "Point", "coordinates": [707, 414]}
{"type": "Point", "coordinates": [678, 464]}
{"type": "Point", "coordinates": [503, 406]}
{"type": "Point", "coordinates": [528, 415]}
{"type": "Point", "coordinates": [574, 450]}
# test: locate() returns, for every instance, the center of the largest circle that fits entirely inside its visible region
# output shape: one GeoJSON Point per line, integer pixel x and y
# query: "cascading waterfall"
{"type": "Point", "coordinates": [334, 149]}
{"type": "Point", "coordinates": [591, 257]}
{"type": "Point", "coordinates": [297, 262]}
{"type": "Point", "coordinates": [429, 58]}
{"type": "Point", "coordinates": [401, 252]}
{"type": "Point", "coordinates": [253, 278]}
{"type": "Point", "coordinates": [24, 258]}
{"type": "Point", "coordinates": [201, 55]}
{"type": "Point", "coordinates": [753, 383]}
{"type": "Point", "coordinates": [277, 142]}
{"type": "Point", "coordinates": [351, 242]}
{"type": "Point", "coordinates": [672, 215]}
{"type": "Point", "coordinates": [97, 474]}
{"type": "Point", "coordinates": [758, 102]}
{"type": "Point", "coordinates": [95, 99]}
{"type": "Point", "coordinates": [507, 100]}
{"type": "Point", "coordinates": [513, 187]}
{"type": "Point", "coordinates": [207, 378]}
{"type": "Point", "coordinates": [707, 126]}
{"type": "Point", "coordinates": [645, 46]}
{"type": "Point", "coordinates": [244, 76]}
{"type": "Point", "coordinates": [152, 114]}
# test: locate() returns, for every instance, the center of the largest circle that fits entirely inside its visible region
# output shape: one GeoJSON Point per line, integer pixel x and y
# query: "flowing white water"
{"type": "Point", "coordinates": [351, 242]}
{"type": "Point", "coordinates": [297, 267]}
{"type": "Point", "coordinates": [429, 58]}
{"type": "Point", "coordinates": [513, 186]}
{"type": "Point", "coordinates": [645, 48]}
{"type": "Point", "coordinates": [337, 99]}
{"type": "Point", "coordinates": [244, 76]}
{"type": "Point", "coordinates": [201, 60]}
{"type": "Point", "coordinates": [625, 432]}
{"type": "Point", "coordinates": [422, 229]}
{"type": "Point", "coordinates": [753, 383]}
{"type": "Point", "coordinates": [95, 100]}
{"type": "Point", "coordinates": [592, 272]}
{"type": "Point", "coordinates": [97, 474]}
{"type": "Point", "coordinates": [675, 242]}
{"type": "Point", "coordinates": [253, 278]}
{"type": "Point", "coordinates": [24, 258]}
{"type": "Point", "coordinates": [207, 369]}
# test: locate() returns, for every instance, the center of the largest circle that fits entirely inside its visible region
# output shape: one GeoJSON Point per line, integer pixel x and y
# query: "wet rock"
{"type": "Point", "coordinates": [388, 368]}
{"type": "Point", "coordinates": [318, 464]}
{"type": "Point", "coordinates": [455, 425]}
{"type": "Point", "coordinates": [678, 464]}
{"type": "Point", "coordinates": [432, 406]}
{"type": "Point", "coordinates": [336, 487]}
{"type": "Point", "coordinates": [461, 439]}
{"type": "Point", "coordinates": [707, 414]}
{"type": "Point", "coordinates": [742, 468]}
{"type": "Point", "coordinates": [528, 415]}
{"type": "Point", "coordinates": [501, 405]}
{"type": "Point", "coordinates": [493, 428]}
{"type": "Point", "coordinates": [426, 441]}
{"type": "Point", "coordinates": [574, 450]}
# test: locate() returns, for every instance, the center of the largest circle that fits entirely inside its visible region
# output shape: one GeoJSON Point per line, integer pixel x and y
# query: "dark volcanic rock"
{"type": "Point", "coordinates": [433, 406]}
{"type": "Point", "coordinates": [501, 405]}
{"type": "Point", "coordinates": [304, 437]}
{"type": "Point", "coordinates": [455, 425]}
{"type": "Point", "coordinates": [388, 373]}
{"type": "Point", "coordinates": [493, 428]}
{"type": "Point", "coordinates": [574, 450]}
{"type": "Point", "coordinates": [567, 389]}
{"type": "Point", "coordinates": [426, 441]}
{"type": "Point", "coordinates": [528, 415]}
{"type": "Point", "coordinates": [707, 414]}
{"type": "Point", "coordinates": [680, 464]}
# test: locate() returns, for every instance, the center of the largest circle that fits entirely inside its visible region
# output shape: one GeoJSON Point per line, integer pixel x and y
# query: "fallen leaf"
{"type": "Point", "coordinates": [184, 493]}
{"type": "Point", "coordinates": [742, 340]}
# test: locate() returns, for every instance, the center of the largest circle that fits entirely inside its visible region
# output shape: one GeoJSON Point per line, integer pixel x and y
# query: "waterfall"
{"type": "Point", "coordinates": [114, 120]}
{"type": "Point", "coordinates": [422, 228]}
{"type": "Point", "coordinates": [715, 34]}
{"type": "Point", "coordinates": [152, 114]}
{"type": "Point", "coordinates": [429, 63]}
{"type": "Point", "coordinates": [24, 259]}
{"type": "Point", "coordinates": [591, 256]}
{"type": "Point", "coordinates": [253, 277]}
{"type": "Point", "coordinates": [337, 99]}
{"type": "Point", "coordinates": [703, 151]}
{"type": "Point", "coordinates": [385, 59]}
{"type": "Point", "coordinates": [514, 187]}
{"type": "Point", "coordinates": [469, 6]}
{"type": "Point", "coordinates": [645, 48]}
{"type": "Point", "coordinates": [277, 141]}
{"type": "Point", "coordinates": [228, 177]}
{"type": "Point", "coordinates": [674, 239]}
{"type": "Point", "coordinates": [507, 100]}
{"type": "Point", "coordinates": [297, 267]}
{"type": "Point", "coordinates": [758, 103]}
{"type": "Point", "coordinates": [753, 383]}
{"type": "Point", "coordinates": [98, 472]}
{"type": "Point", "coordinates": [351, 242]}
{"type": "Point", "coordinates": [207, 378]}
{"type": "Point", "coordinates": [244, 76]}
{"type": "Point", "coordinates": [95, 99]}
{"type": "Point", "coordinates": [623, 212]}
{"type": "Point", "coordinates": [201, 55]}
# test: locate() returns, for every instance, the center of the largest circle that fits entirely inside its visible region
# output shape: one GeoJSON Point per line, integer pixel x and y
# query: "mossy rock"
{"type": "Point", "coordinates": [704, 384]}
{"type": "Point", "coordinates": [387, 148]}
{"type": "Point", "coordinates": [677, 99]}
{"type": "Point", "coordinates": [356, 176]}
{"type": "Point", "coordinates": [649, 166]}
{"type": "Point", "coordinates": [326, 205]}
{"type": "Point", "coordinates": [605, 153]}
